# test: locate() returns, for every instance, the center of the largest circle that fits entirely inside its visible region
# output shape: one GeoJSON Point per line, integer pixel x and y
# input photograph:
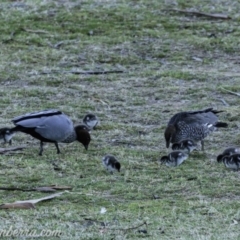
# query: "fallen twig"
{"type": "Point", "coordinates": [96, 221]}
{"type": "Point", "coordinates": [4, 150]}
{"type": "Point", "coordinates": [34, 201]}
{"type": "Point", "coordinates": [126, 229]}
{"type": "Point", "coordinates": [115, 229]}
{"type": "Point", "coordinates": [17, 205]}
{"type": "Point", "coordinates": [80, 72]}
{"type": "Point", "coordinates": [101, 101]}
{"type": "Point", "coordinates": [201, 14]}
{"type": "Point", "coordinates": [51, 188]}
{"type": "Point", "coordinates": [234, 93]}
{"type": "Point", "coordinates": [95, 72]}
{"type": "Point", "coordinates": [28, 204]}
{"type": "Point", "coordinates": [34, 31]}
{"type": "Point", "coordinates": [16, 189]}
{"type": "Point", "coordinates": [224, 102]}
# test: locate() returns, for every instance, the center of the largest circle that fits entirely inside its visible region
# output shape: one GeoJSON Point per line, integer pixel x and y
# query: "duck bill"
{"type": "Point", "coordinates": [86, 147]}
{"type": "Point", "coordinates": [161, 162]}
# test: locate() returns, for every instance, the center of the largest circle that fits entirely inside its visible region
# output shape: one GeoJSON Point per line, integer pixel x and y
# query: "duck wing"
{"type": "Point", "coordinates": [39, 114]}
{"type": "Point", "coordinates": [206, 116]}
{"type": "Point", "coordinates": [50, 124]}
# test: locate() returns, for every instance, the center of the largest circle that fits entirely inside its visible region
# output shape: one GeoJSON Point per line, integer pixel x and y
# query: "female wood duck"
{"type": "Point", "coordinates": [195, 125]}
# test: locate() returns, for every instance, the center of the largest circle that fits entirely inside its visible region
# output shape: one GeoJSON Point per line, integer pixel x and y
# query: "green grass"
{"type": "Point", "coordinates": [171, 62]}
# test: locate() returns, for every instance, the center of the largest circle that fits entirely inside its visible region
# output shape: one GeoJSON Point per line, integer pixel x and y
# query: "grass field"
{"type": "Point", "coordinates": [170, 62]}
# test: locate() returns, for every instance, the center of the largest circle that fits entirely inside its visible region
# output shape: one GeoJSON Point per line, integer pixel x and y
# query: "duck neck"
{"type": "Point", "coordinates": [71, 137]}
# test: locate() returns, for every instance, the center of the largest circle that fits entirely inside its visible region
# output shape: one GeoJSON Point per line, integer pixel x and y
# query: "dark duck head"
{"type": "Point", "coordinates": [169, 134]}
{"type": "Point", "coordinates": [83, 135]}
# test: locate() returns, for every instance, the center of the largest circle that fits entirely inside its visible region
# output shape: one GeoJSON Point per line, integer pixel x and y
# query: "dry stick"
{"type": "Point", "coordinates": [234, 93]}
{"type": "Point", "coordinates": [216, 15]}
{"type": "Point", "coordinates": [16, 189]}
{"type": "Point", "coordinates": [224, 102]}
{"type": "Point", "coordinates": [34, 31]}
{"type": "Point", "coordinates": [4, 150]}
{"type": "Point", "coordinates": [49, 197]}
{"type": "Point", "coordinates": [81, 72]}
{"type": "Point", "coordinates": [96, 72]}
{"type": "Point", "coordinates": [28, 204]}
{"type": "Point", "coordinates": [46, 189]}
{"type": "Point", "coordinates": [38, 189]}
{"type": "Point", "coordinates": [96, 221]}
{"type": "Point", "coordinates": [126, 229]}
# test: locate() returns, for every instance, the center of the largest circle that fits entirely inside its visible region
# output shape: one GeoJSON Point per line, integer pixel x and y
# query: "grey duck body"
{"type": "Point", "coordinates": [51, 126]}
{"type": "Point", "coordinates": [194, 125]}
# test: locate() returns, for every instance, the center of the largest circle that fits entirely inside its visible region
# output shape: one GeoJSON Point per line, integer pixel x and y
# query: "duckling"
{"type": "Point", "coordinates": [232, 161]}
{"type": "Point", "coordinates": [6, 135]}
{"type": "Point", "coordinates": [174, 158]}
{"type": "Point", "coordinates": [186, 146]}
{"type": "Point", "coordinates": [91, 121]}
{"type": "Point", "coordinates": [51, 126]}
{"type": "Point", "coordinates": [193, 125]}
{"type": "Point", "coordinates": [227, 152]}
{"type": "Point", "coordinates": [111, 163]}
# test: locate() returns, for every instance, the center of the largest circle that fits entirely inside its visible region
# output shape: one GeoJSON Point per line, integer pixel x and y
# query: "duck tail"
{"type": "Point", "coordinates": [216, 111]}
{"type": "Point", "coordinates": [221, 124]}
{"type": "Point", "coordinates": [15, 129]}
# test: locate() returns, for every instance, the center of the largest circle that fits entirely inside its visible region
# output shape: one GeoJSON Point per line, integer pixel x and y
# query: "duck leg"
{"type": "Point", "coordinates": [238, 166]}
{"type": "Point", "coordinates": [202, 143]}
{"type": "Point", "coordinates": [5, 141]}
{"type": "Point", "coordinates": [41, 148]}
{"type": "Point", "coordinates": [58, 150]}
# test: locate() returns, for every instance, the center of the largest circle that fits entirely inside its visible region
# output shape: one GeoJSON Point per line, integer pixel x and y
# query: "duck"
{"type": "Point", "coordinates": [193, 125]}
{"type": "Point", "coordinates": [6, 135]}
{"type": "Point", "coordinates": [91, 121]}
{"type": "Point", "coordinates": [227, 152]}
{"type": "Point", "coordinates": [51, 126]}
{"type": "Point", "coordinates": [111, 163]}
{"type": "Point", "coordinates": [174, 158]}
{"type": "Point", "coordinates": [185, 145]}
{"type": "Point", "coordinates": [232, 161]}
